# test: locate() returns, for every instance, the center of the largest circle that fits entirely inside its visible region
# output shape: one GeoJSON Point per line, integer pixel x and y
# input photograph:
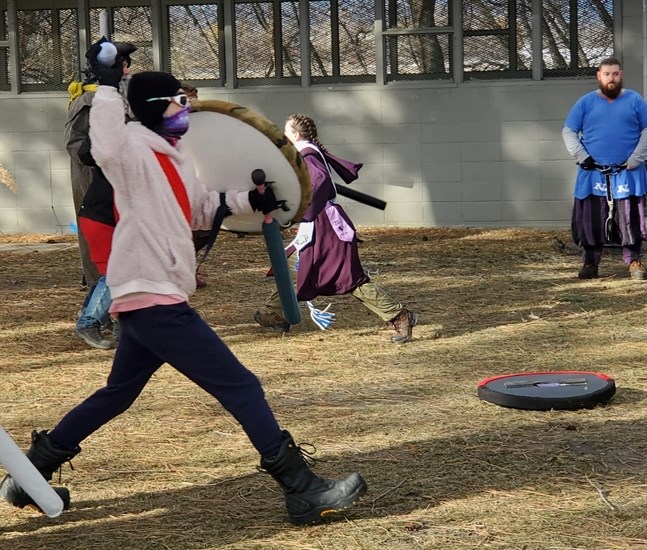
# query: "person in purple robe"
{"type": "Point", "coordinates": [325, 252]}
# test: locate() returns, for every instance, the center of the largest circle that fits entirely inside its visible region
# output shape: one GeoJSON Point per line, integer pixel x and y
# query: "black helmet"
{"type": "Point", "coordinates": [125, 49]}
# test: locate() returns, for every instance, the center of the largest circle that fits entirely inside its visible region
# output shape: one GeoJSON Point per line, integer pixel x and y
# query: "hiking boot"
{"type": "Point", "coordinates": [93, 337]}
{"type": "Point", "coordinates": [310, 499]}
{"type": "Point", "coordinates": [272, 320]}
{"type": "Point", "coordinates": [403, 325]}
{"type": "Point", "coordinates": [636, 270]}
{"type": "Point", "coordinates": [588, 271]}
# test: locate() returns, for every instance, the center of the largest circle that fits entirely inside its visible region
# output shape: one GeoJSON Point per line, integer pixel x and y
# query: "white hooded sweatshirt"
{"type": "Point", "coordinates": [152, 247]}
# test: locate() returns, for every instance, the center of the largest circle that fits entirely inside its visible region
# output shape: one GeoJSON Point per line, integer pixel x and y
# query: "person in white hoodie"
{"type": "Point", "coordinates": [151, 273]}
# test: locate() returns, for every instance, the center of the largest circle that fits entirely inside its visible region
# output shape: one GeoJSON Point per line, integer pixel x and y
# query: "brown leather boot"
{"type": "Point", "coordinates": [272, 320]}
{"type": "Point", "coordinates": [403, 325]}
{"type": "Point", "coordinates": [636, 270]}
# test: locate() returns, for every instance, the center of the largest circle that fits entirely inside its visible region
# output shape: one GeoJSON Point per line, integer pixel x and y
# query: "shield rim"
{"type": "Point", "coordinates": [587, 400]}
{"type": "Point", "coordinates": [277, 137]}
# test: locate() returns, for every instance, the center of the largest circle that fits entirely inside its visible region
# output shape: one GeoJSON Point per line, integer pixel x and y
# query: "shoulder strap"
{"type": "Point", "coordinates": [180, 194]}
{"type": "Point", "coordinates": [307, 151]}
{"type": "Point", "coordinates": [176, 184]}
{"type": "Point", "coordinates": [221, 213]}
{"type": "Point", "coordinates": [314, 150]}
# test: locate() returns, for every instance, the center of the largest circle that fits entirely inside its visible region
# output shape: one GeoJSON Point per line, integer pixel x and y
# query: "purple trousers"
{"type": "Point", "coordinates": [589, 219]}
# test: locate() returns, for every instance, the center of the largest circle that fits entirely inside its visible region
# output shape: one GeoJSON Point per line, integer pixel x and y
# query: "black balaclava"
{"type": "Point", "coordinates": [151, 84]}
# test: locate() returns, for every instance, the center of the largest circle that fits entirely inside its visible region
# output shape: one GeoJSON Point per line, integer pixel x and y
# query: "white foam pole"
{"type": "Point", "coordinates": [28, 477]}
{"type": "Point", "coordinates": [104, 28]}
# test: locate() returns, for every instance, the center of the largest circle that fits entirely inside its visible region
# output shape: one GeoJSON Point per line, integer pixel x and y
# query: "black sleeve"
{"type": "Point", "coordinates": [84, 153]}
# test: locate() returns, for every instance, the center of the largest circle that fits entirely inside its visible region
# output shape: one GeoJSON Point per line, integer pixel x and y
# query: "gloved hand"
{"type": "Point", "coordinates": [265, 202]}
{"type": "Point", "coordinates": [107, 75]}
{"type": "Point", "coordinates": [588, 163]}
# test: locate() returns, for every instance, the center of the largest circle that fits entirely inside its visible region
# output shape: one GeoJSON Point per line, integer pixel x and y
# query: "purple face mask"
{"type": "Point", "coordinates": [176, 125]}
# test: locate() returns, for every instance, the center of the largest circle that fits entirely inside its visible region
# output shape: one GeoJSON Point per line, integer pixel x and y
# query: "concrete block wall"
{"type": "Point", "coordinates": [478, 154]}
{"type": "Point", "coordinates": [31, 148]}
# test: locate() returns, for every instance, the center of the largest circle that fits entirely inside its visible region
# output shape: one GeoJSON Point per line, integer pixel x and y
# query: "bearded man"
{"type": "Point", "coordinates": [607, 128]}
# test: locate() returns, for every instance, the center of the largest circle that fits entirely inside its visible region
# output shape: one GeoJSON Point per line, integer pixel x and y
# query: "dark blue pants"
{"type": "Point", "coordinates": [176, 335]}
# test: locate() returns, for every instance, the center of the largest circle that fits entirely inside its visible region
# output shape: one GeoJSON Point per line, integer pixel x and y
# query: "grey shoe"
{"type": "Point", "coordinates": [116, 331]}
{"type": "Point", "coordinates": [93, 337]}
{"type": "Point", "coordinates": [403, 325]}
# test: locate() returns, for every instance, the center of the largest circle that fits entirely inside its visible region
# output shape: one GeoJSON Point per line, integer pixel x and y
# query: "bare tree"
{"type": "Point", "coordinates": [430, 56]}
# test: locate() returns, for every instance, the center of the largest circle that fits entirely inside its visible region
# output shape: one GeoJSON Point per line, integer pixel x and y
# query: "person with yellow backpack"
{"type": "Point", "coordinates": [89, 323]}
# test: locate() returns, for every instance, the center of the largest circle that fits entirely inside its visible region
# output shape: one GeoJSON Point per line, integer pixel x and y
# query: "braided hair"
{"type": "Point", "coordinates": [305, 126]}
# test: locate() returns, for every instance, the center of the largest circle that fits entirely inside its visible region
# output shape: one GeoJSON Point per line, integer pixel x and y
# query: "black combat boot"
{"type": "Point", "coordinates": [310, 499]}
{"type": "Point", "coordinates": [47, 458]}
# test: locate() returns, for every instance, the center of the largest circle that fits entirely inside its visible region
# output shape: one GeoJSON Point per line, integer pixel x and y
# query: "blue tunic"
{"type": "Point", "coordinates": [610, 130]}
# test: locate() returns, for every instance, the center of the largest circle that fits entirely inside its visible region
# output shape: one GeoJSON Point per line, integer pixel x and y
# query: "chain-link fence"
{"type": "Point", "coordinates": [424, 53]}
{"type": "Point", "coordinates": [590, 41]}
{"type": "Point", "coordinates": [5, 75]}
{"type": "Point", "coordinates": [195, 40]}
{"type": "Point", "coordinates": [342, 40]}
{"type": "Point", "coordinates": [576, 35]}
{"type": "Point", "coordinates": [47, 43]}
{"type": "Point", "coordinates": [419, 57]}
{"type": "Point", "coordinates": [497, 38]}
{"type": "Point", "coordinates": [127, 24]}
{"type": "Point", "coordinates": [267, 39]}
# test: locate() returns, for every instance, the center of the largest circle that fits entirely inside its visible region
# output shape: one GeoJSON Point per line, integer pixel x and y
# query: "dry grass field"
{"type": "Point", "coordinates": [445, 470]}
